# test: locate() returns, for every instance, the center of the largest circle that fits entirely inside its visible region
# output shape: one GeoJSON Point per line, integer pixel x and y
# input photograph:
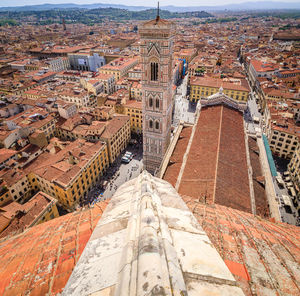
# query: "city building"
{"type": "Point", "coordinates": [6, 155]}
{"type": "Point", "coordinates": [294, 169]}
{"type": "Point", "coordinates": [281, 129]}
{"type": "Point", "coordinates": [211, 160]}
{"type": "Point", "coordinates": [15, 217]}
{"type": "Point", "coordinates": [260, 69]}
{"type": "Point", "coordinates": [134, 110]}
{"type": "Point", "coordinates": [16, 185]}
{"type": "Point", "coordinates": [156, 56]}
{"type": "Point", "coordinates": [29, 121]}
{"type": "Point", "coordinates": [86, 61]}
{"type": "Point", "coordinates": [79, 96]}
{"type": "Point", "coordinates": [136, 91]}
{"type": "Point", "coordinates": [66, 110]}
{"type": "Point", "coordinates": [108, 81]}
{"type": "Point", "coordinates": [68, 170]}
{"type": "Point", "coordinates": [202, 87]}
{"type": "Point", "coordinates": [114, 130]}
{"type": "Point", "coordinates": [5, 195]}
{"type": "Point", "coordinates": [119, 67]}
{"type": "Point", "coordinates": [186, 247]}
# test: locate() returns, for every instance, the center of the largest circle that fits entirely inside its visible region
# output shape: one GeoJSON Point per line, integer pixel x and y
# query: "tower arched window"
{"type": "Point", "coordinates": [150, 102]}
{"type": "Point", "coordinates": [154, 71]}
{"type": "Point", "coordinates": [157, 125]}
{"type": "Point", "coordinates": [157, 103]}
{"type": "Point", "coordinates": [150, 123]}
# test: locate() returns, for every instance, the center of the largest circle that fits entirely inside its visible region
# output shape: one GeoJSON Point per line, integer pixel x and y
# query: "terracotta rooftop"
{"type": "Point", "coordinates": [133, 104]}
{"type": "Point", "coordinates": [176, 159]}
{"type": "Point", "coordinates": [6, 153]}
{"type": "Point", "coordinates": [119, 64]}
{"type": "Point", "coordinates": [55, 167]}
{"type": "Point", "coordinates": [23, 216]}
{"type": "Point", "coordinates": [239, 84]}
{"type": "Point", "coordinates": [261, 203]}
{"type": "Point", "coordinates": [159, 22]}
{"type": "Point", "coordinates": [263, 256]}
{"type": "Point", "coordinates": [40, 260]}
{"type": "Point", "coordinates": [213, 171]}
{"type": "Point", "coordinates": [260, 66]}
{"type": "Point", "coordinates": [114, 125]}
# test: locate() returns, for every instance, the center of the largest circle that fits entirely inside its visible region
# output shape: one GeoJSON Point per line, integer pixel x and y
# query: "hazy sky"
{"type": "Point", "coordinates": [134, 2]}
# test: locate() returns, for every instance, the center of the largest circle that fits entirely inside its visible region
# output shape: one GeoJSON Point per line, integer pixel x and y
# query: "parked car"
{"type": "Point", "coordinates": [280, 181]}
{"type": "Point", "coordinates": [125, 159]}
{"type": "Point", "coordinates": [129, 155]}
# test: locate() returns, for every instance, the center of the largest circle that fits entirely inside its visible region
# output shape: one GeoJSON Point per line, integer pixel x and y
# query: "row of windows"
{"type": "Point", "coordinates": [282, 134]}
{"type": "Point", "coordinates": [282, 139]}
{"type": "Point", "coordinates": [280, 145]}
{"type": "Point", "coordinates": [154, 71]}
{"type": "Point", "coordinates": [151, 103]}
{"type": "Point", "coordinates": [134, 111]}
{"type": "Point", "coordinates": [151, 124]}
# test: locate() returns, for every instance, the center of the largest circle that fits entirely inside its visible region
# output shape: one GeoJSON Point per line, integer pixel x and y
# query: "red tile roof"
{"type": "Point", "coordinates": [214, 171]}
{"type": "Point", "coordinates": [23, 216]}
{"type": "Point", "coordinates": [261, 204]}
{"type": "Point", "coordinates": [240, 85]}
{"type": "Point", "coordinates": [259, 66]}
{"type": "Point", "coordinates": [264, 257]}
{"type": "Point", "coordinates": [176, 158]}
{"type": "Point", "coordinates": [40, 260]}
{"type": "Point", "coordinates": [6, 153]}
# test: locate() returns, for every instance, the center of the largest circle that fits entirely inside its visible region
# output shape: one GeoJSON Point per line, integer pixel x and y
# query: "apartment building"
{"type": "Point", "coordinates": [102, 113]}
{"type": "Point", "coordinates": [31, 120]}
{"type": "Point", "coordinates": [86, 61]}
{"type": "Point", "coordinates": [281, 129]}
{"type": "Point", "coordinates": [202, 87]}
{"type": "Point", "coordinates": [259, 68]}
{"type": "Point", "coordinates": [108, 81]}
{"type": "Point", "coordinates": [5, 195]}
{"type": "Point", "coordinates": [119, 67]}
{"type": "Point", "coordinates": [67, 171]}
{"type": "Point", "coordinates": [17, 217]}
{"type": "Point", "coordinates": [17, 184]}
{"type": "Point", "coordinates": [135, 73]}
{"type": "Point", "coordinates": [283, 138]}
{"type": "Point", "coordinates": [136, 91]}
{"type": "Point", "coordinates": [66, 110]}
{"type": "Point", "coordinates": [93, 86]}
{"type": "Point", "coordinates": [114, 130]}
{"type": "Point", "coordinates": [117, 135]}
{"type": "Point", "coordinates": [78, 96]}
{"type": "Point", "coordinates": [5, 156]}
{"type": "Point", "coordinates": [134, 110]}
{"type": "Point", "coordinates": [294, 169]}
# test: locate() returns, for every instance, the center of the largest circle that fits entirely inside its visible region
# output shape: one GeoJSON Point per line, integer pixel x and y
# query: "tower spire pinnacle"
{"type": "Point", "coordinates": [157, 16]}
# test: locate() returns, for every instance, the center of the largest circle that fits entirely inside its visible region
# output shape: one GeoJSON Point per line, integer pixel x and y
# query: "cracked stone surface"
{"type": "Point", "coordinates": [145, 244]}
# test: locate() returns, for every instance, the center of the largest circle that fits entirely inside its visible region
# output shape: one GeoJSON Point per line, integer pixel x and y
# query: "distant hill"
{"type": "Point", "coordinates": [265, 5]}
{"type": "Point", "coordinates": [253, 6]}
{"type": "Point", "coordinates": [90, 16]}
{"type": "Point", "coordinates": [48, 6]}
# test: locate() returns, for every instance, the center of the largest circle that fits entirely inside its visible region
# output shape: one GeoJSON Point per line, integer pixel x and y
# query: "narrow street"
{"type": "Point", "coordinates": [250, 114]}
{"type": "Point", "coordinates": [288, 213]}
{"type": "Point", "coordinates": [117, 174]}
{"type": "Point", "coordinates": [184, 110]}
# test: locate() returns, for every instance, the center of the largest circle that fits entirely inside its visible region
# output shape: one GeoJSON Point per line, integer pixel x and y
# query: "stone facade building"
{"type": "Point", "coordinates": [156, 55]}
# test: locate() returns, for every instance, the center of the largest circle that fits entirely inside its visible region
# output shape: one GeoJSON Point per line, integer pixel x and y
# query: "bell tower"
{"type": "Point", "coordinates": [156, 56]}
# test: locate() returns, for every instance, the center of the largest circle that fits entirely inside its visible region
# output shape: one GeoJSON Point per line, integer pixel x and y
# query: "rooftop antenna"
{"type": "Point", "coordinates": [157, 16]}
